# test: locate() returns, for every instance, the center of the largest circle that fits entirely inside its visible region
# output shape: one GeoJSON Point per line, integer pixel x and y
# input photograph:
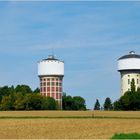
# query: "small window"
{"type": "Point", "coordinates": [44, 89]}
{"type": "Point", "coordinates": [52, 83]}
{"type": "Point", "coordinates": [129, 89]}
{"type": "Point", "coordinates": [44, 84]}
{"type": "Point", "coordinates": [128, 75]}
{"type": "Point", "coordinates": [137, 81]}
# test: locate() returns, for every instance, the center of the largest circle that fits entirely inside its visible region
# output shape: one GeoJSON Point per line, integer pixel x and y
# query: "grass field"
{"type": "Point", "coordinates": [126, 136]}
{"type": "Point", "coordinates": [67, 128]}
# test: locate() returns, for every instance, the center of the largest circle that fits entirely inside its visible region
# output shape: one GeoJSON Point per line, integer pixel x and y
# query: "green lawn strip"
{"type": "Point", "coordinates": [126, 136]}
{"type": "Point", "coordinates": [66, 117]}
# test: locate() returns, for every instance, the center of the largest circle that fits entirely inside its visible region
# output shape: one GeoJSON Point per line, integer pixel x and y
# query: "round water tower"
{"type": "Point", "coordinates": [129, 68]}
{"type": "Point", "coordinates": [51, 73]}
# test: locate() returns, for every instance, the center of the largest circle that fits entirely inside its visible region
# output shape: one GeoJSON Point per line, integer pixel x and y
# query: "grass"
{"type": "Point", "coordinates": [126, 136]}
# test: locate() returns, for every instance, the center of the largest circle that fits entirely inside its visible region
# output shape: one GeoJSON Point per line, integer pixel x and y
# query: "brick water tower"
{"type": "Point", "coordinates": [51, 73]}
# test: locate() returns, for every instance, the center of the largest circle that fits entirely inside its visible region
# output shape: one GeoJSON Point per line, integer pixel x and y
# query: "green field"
{"type": "Point", "coordinates": [126, 136]}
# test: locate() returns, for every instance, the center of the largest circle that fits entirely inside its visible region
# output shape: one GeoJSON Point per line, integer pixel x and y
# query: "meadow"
{"type": "Point", "coordinates": [67, 124]}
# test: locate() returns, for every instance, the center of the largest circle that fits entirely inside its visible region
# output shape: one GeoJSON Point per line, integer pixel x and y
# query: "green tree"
{"type": "Point", "coordinates": [33, 102]}
{"type": "Point", "coordinates": [73, 103]}
{"type": "Point", "coordinates": [78, 103]}
{"type": "Point", "coordinates": [117, 105]}
{"type": "Point", "coordinates": [23, 89]}
{"type": "Point", "coordinates": [133, 87]}
{"type": "Point", "coordinates": [20, 102]}
{"type": "Point", "coordinates": [49, 104]}
{"type": "Point", "coordinates": [97, 105]}
{"type": "Point", "coordinates": [37, 90]}
{"type": "Point", "coordinates": [129, 101]}
{"type": "Point", "coordinates": [7, 102]}
{"type": "Point", "coordinates": [108, 104]}
{"type": "Point", "coordinates": [67, 102]}
{"type": "Point", "coordinates": [5, 91]}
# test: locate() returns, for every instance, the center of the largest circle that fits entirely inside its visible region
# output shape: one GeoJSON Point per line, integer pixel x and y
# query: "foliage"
{"type": "Point", "coordinates": [49, 104]}
{"type": "Point", "coordinates": [37, 90]}
{"type": "Point", "coordinates": [97, 105]}
{"type": "Point", "coordinates": [133, 87]}
{"type": "Point", "coordinates": [130, 100]}
{"type": "Point", "coordinates": [5, 91]}
{"type": "Point", "coordinates": [126, 136]}
{"type": "Point", "coordinates": [22, 98]}
{"type": "Point", "coordinates": [78, 103]}
{"type": "Point", "coordinates": [67, 102]}
{"type": "Point", "coordinates": [23, 89]}
{"type": "Point", "coordinates": [73, 103]}
{"type": "Point", "coordinates": [108, 104]}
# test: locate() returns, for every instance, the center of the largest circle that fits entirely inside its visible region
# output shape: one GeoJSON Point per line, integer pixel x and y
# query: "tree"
{"type": "Point", "coordinates": [7, 102]}
{"type": "Point", "coordinates": [67, 102]}
{"type": "Point", "coordinates": [20, 102]}
{"type": "Point", "coordinates": [33, 102]}
{"type": "Point", "coordinates": [37, 90]}
{"type": "Point", "coordinates": [108, 104]}
{"type": "Point", "coordinates": [129, 101]}
{"type": "Point", "coordinates": [73, 103]}
{"type": "Point", "coordinates": [97, 105]}
{"type": "Point", "coordinates": [5, 91]}
{"type": "Point", "coordinates": [78, 103]}
{"type": "Point", "coordinates": [133, 87]}
{"type": "Point", "coordinates": [117, 105]}
{"type": "Point", "coordinates": [23, 89]}
{"type": "Point", "coordinates": [49, 104]}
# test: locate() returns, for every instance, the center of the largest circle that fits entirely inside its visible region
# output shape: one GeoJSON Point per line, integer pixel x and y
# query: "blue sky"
{"type": "Point", "coordinates": [88, 36]}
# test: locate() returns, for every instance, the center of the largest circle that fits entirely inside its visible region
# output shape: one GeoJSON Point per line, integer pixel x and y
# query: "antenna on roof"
{"type": "Point", "coordinates": [51, 55]}
{"type": "Point", "coordinates": [132, 52]}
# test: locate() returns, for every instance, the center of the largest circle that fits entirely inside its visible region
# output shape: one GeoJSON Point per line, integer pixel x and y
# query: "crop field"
{"type": "Point", "coordinates": [88, 114]}
{"type": "Point", "coordinates": [54, 127]}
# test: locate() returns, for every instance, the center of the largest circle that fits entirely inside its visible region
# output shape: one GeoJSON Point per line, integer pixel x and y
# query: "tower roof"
{"type": "Point", "coordinates": [130, 55]}
{"type": "Point", "coordinates": [51, 57]}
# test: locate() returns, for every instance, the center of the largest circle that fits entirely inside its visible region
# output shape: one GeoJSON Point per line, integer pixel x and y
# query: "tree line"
{"type": "Point", "coordinates": [129, 101]}
{"type": "Point", "coordinates": [22, 97]}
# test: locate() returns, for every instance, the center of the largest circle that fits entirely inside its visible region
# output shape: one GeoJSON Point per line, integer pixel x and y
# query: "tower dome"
{"type": "Point", "coordinates": [130, 61]}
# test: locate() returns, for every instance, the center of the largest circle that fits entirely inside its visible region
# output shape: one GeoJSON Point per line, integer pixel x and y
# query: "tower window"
{"type": "Point", "coordinates": [52, 83]}
{"type": "Point", "coordinates": [44, 89]}
{"type": "Point", "coordinates": [44, 84]}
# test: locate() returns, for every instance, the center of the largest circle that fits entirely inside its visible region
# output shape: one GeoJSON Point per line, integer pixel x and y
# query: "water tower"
{"type": "Point", "coordinates": [51, 73]}
{"type": "Point", "coordinates": [129, 68]}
